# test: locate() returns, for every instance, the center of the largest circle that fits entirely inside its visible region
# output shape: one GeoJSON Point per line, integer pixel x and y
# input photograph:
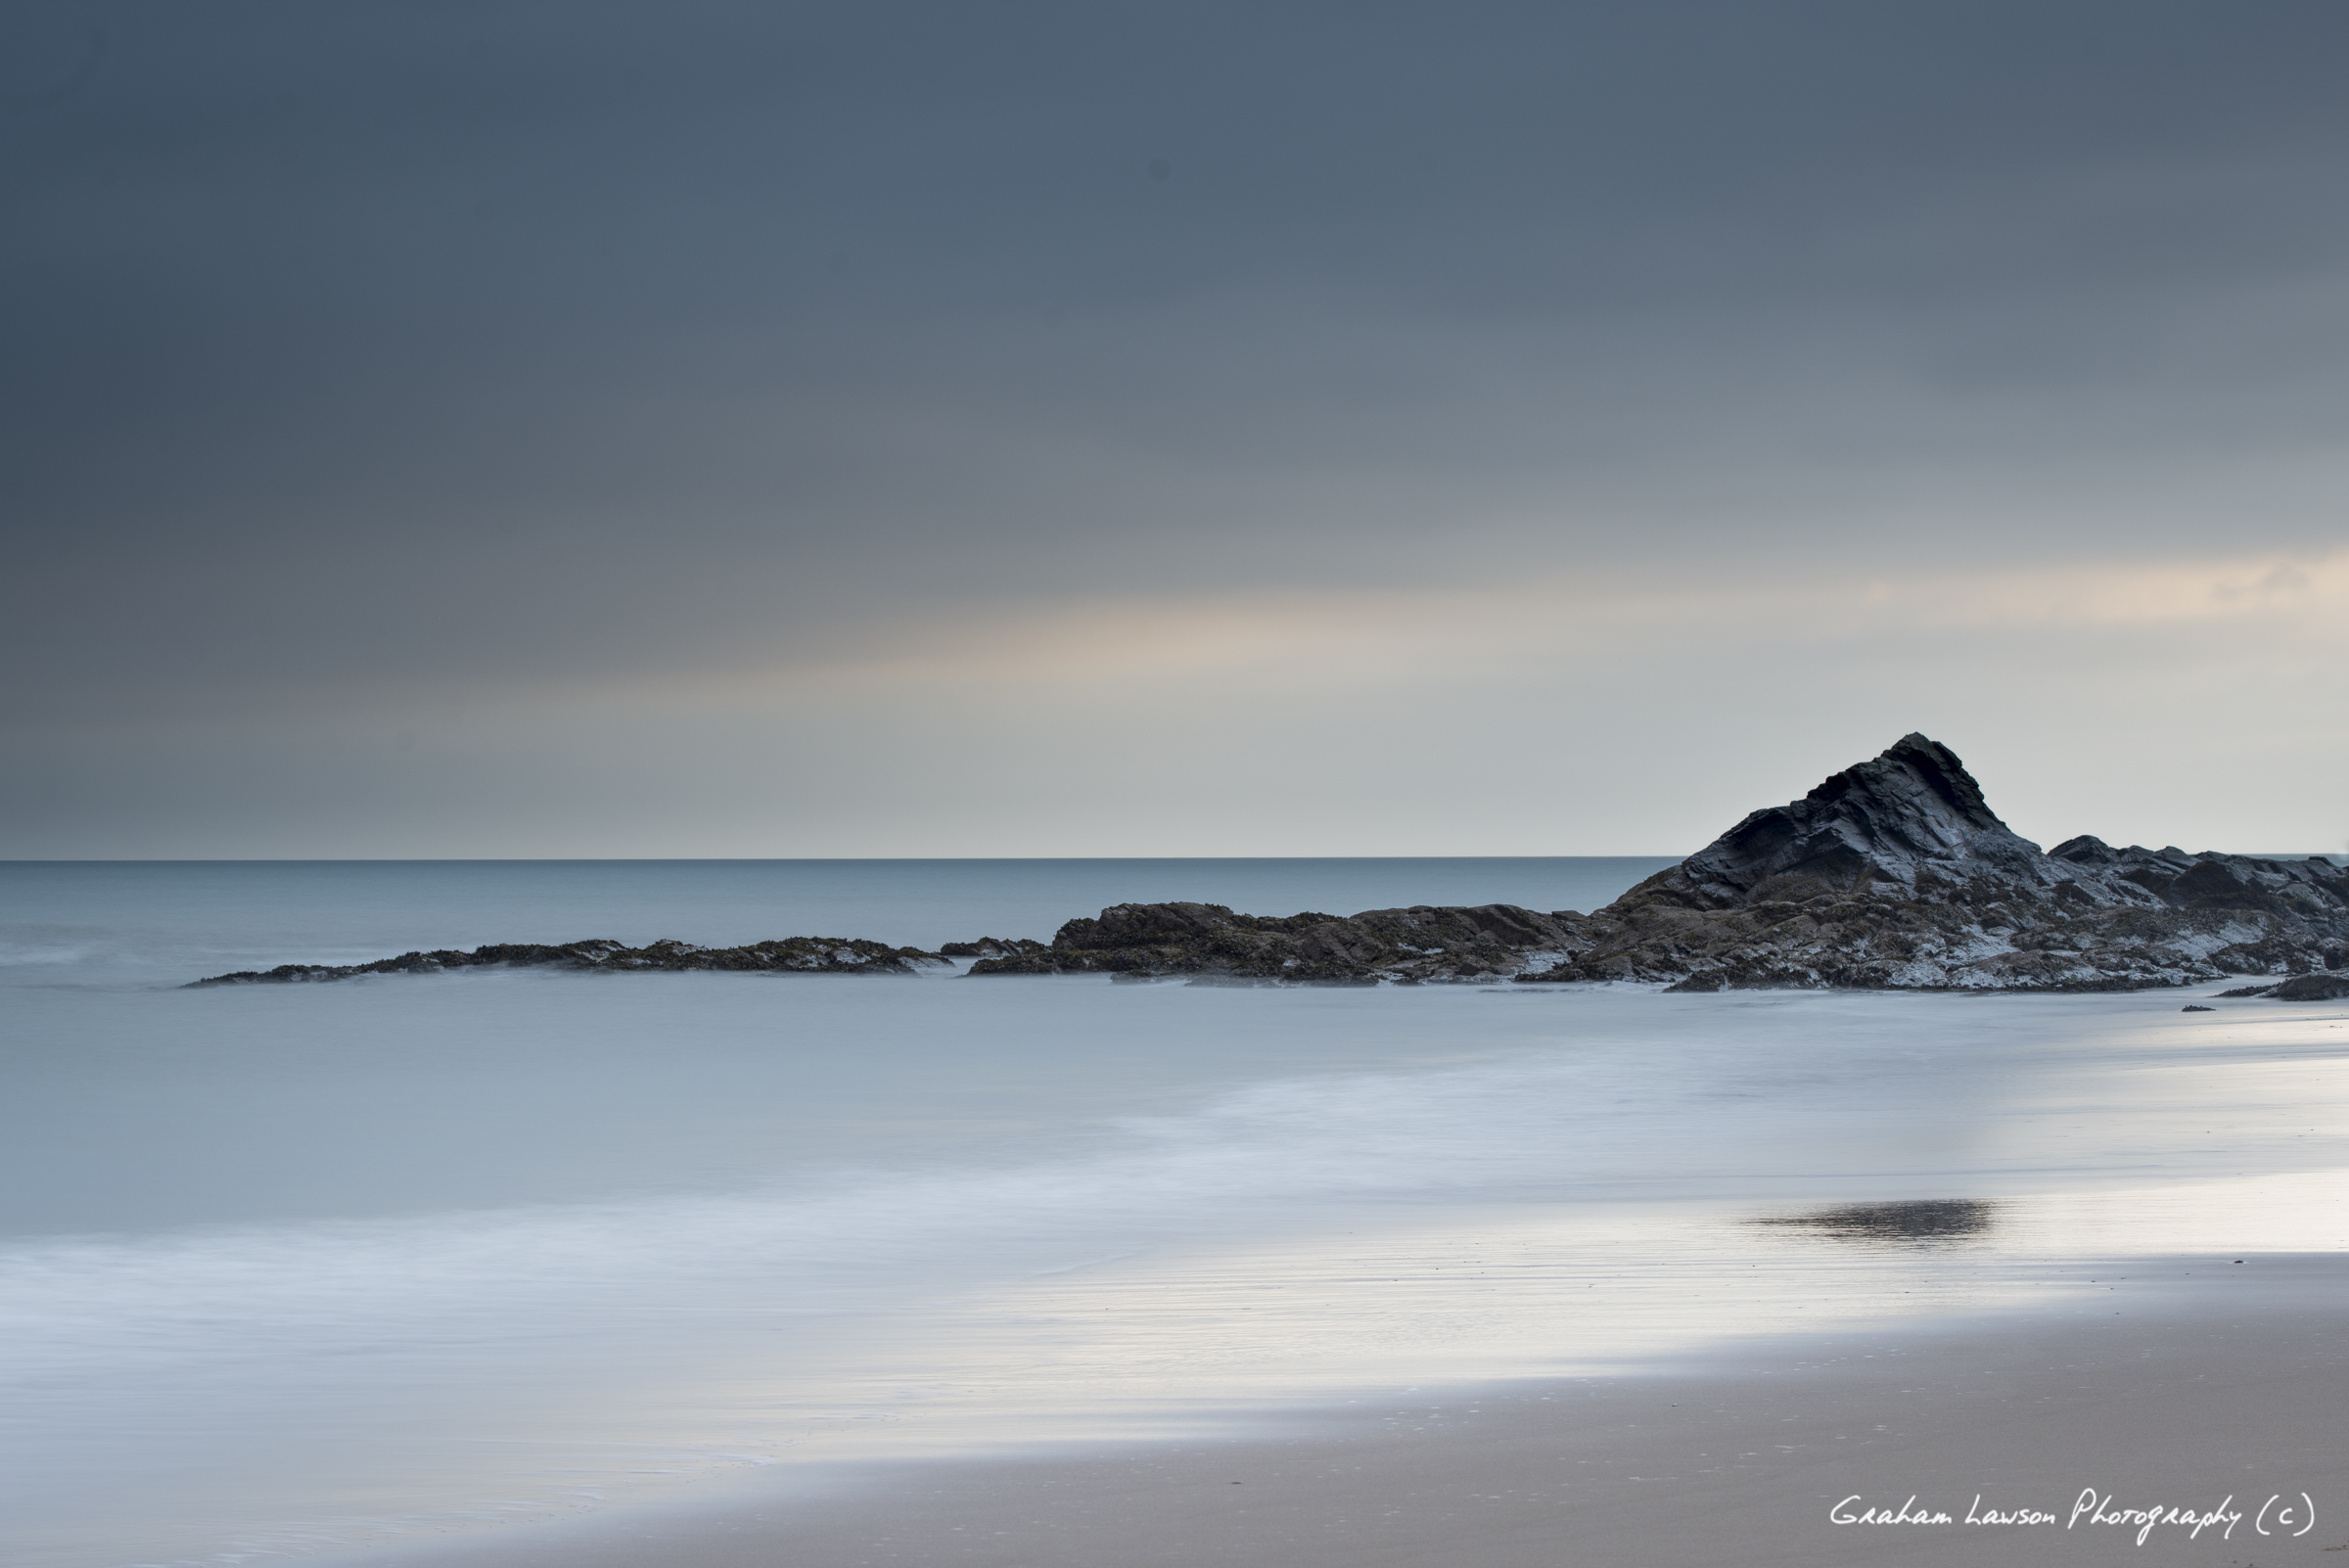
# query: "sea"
{"type": "Point", "coordinates": [299, 1273]}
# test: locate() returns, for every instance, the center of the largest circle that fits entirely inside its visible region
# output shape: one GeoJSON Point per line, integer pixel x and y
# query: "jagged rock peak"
{"type": "Point", "coordinates": [1913, 811]}
{"type": "Point", "coordinates": [1924, 760]}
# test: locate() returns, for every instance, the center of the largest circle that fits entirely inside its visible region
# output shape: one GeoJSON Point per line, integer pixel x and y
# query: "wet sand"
{"type": "Point", "coordinates": [2219, 1387]}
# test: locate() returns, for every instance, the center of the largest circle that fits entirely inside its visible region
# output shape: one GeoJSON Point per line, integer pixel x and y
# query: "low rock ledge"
{"type": "Point", "coordinates": [1208, 943]}
{"type": "Point", "coordinates": [825, 955]}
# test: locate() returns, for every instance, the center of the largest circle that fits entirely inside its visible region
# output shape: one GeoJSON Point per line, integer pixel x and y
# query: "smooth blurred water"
{"type": "Point", "coordinates": [290, 1269]}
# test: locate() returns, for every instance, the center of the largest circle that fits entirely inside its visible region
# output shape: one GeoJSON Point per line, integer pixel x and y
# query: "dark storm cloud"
{"type": "Point", "coordinates": [416, 342]}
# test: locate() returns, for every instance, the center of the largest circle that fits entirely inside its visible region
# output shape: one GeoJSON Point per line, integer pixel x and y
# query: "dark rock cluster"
{"type": "Point", "coordinates": [829, 955]}
{"type": "Point", "coordinates": [1207, 942]}
{"type": "Point", "coordinates": [1896, 874]}
{"type": "Point", "coordinates": [1891, 875]}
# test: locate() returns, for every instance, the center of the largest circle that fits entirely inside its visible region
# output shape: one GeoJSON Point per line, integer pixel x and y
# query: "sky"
{"type": "Point", "coordinates": [489, 428]}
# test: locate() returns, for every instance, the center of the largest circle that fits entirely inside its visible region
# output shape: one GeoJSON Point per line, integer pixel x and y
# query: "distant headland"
{"type": "Point", "coordinates": [1894, 874]}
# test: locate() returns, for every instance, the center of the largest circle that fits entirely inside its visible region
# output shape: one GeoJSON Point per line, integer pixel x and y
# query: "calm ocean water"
{"type": "Point", "coordinates": [289, 1271]}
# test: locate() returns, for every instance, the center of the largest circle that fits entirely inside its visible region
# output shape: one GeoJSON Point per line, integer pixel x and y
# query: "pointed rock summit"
{"type": "Point", "coordinates": [1912, 819]}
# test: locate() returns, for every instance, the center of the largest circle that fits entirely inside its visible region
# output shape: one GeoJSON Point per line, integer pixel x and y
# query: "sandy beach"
{"type": "Point", "coordinates": [2200, 1388]}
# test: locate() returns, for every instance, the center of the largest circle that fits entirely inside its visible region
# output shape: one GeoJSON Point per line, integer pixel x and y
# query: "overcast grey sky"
{"type": "Point", "coordinates": [438, 428]}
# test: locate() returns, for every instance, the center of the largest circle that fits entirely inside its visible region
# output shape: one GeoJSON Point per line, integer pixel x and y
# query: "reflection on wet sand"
{"type": "Point", "coordinates": [1917, 1221]}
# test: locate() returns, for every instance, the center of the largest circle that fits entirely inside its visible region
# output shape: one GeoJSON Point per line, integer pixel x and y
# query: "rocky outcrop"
{"type": "Point", "coordinates": [2300, 988]}
{"type": "Point", "coordinates": [1893, 875]}
{"type": "Point", "coordinates": [824, 955]}
{"type": "Point", "coordinates": [1209, 943]}
{"type": "Point", "coordinates": [1896, 874]}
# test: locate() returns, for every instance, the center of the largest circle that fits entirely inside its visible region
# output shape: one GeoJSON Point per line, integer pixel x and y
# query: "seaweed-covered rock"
{"type": "Point", "coordinates": [992, 948]}
{"type": "Point", "coordinates": [1209, 943]}
{"type": "Point", "coordinates": [824, 955]}
{"type": "Point", "coordinates": [1897, 874]}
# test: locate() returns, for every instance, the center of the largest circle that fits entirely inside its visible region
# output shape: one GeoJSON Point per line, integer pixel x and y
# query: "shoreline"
{"type": "Point", "coordinates": [2190, 1392]}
